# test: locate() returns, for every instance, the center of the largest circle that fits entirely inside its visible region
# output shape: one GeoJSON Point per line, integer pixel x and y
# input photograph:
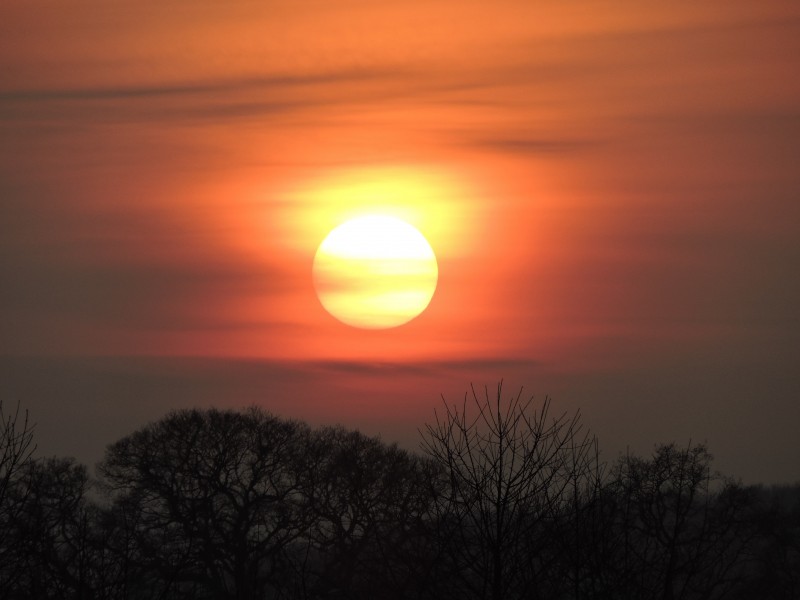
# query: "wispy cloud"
{"type": "Point", "coordinates": [212, 98]}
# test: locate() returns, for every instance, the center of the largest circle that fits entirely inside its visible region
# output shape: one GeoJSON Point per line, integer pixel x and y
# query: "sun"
{"type": "Point", "coordinates": [375, 272]}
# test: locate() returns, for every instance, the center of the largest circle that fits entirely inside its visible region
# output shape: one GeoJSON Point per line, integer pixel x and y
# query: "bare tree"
{"type": "Point", "coordinates": [682, 530]}
{"type": "Point", "coordinates": [214, 500]}
{"type": "Point", "coordinates": [52, 533]}
{"type": "Point", "coordinates": [512, 475]}
{"type": "Point", "coordinates": [222, 504]}
{"type": "Point", "coordinates": [774, 569]}
{"type": "Point", "coordinates": [368, 499]}
{"type": "Point", "coordinates": [16, 448]}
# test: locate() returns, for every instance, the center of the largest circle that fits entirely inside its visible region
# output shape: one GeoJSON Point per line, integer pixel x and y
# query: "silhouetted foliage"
{"type": "Point", "coordinates": [507, 501]}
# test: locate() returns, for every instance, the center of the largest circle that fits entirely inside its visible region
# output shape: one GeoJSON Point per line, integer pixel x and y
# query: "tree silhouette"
{"type": "Point", "coordinates": [683, 531]}
{"type": "Point", "coordinates": [507, 501]}
{"type": "Point", "coordinates": [213, 499]}
{"type": "Point", "coordinates": [510, 475]}
{"type": "Point", "coordinates": [246, 505]}
{"type": "Point", "coordinates": [774, 567]}
{"type": "Point", "coordinates": [16, 448]}
{"type": "Point", "coordinates": [52, 534]}
{"type": "Point", "coordinates": [368, 500]}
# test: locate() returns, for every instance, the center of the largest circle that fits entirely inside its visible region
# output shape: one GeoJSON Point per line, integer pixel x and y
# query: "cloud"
{"type": "Point", "coordinates": [218, 98]}
{"type": "Point", "coordinates": [433, 369]}
{"type": "Point", "coordinates": [196, 88]}
{"type": "Point", "coordinates": [523, 145]}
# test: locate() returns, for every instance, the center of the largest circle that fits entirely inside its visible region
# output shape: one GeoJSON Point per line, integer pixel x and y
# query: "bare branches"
{"type": "Point", "coordinates": [509, 470]}
{"type": "Point", "coordinates": [510, 502]}
{"type": "Point", "coordinates": [682, 524]}
{"type": "Point", "coordinates": [16, 446]}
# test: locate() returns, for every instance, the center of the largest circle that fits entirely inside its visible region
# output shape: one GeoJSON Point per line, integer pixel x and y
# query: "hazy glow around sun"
{"type": "Point", "coordinates": [375, 272]}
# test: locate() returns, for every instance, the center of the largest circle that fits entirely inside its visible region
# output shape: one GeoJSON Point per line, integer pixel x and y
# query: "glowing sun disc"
{"type": "Point", "coordinates": [375, 272]}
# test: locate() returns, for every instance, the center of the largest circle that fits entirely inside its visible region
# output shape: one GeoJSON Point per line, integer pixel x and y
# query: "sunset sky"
{"type": "Point", "coordinates": [611, 189]}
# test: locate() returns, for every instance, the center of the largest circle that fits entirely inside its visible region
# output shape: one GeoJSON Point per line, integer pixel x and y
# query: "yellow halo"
{"type": "Point", "coordinates": [375, 272]}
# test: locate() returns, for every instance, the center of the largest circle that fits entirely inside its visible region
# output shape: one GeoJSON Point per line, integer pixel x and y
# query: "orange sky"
{"type": "Point", "coordinates": [611, 190]}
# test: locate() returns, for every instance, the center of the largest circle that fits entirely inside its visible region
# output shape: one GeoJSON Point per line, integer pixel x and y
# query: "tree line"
{"type": "Point", "coordinates": [505, 500]}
